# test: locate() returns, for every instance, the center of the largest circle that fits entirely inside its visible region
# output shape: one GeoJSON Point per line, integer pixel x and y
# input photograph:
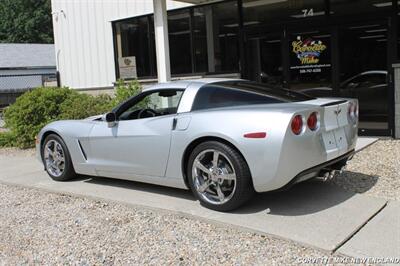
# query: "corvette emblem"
{"type": "Point", "coordinates": [337, 112]}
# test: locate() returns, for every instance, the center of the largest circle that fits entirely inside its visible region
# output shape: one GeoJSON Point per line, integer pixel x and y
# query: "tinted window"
{"type": "Point", "coordinates": [215, 37]}
{"type": "Point", "coordinates": [340, 7]}
{"type": "Point", "coordinates": [200, 40]}
{"type": "Point", "coordinates": [132, 44]}
{"type": "Point", "coordinates": [235, 93]}
{"type": "Point", "coordinates": [362, 65]}
{"type": "Point", "coordinates": [179, 41]}
{"type": "Point", "coordinates": [266, 12]}
{"type": "Point", "coordinates": [367, 80]}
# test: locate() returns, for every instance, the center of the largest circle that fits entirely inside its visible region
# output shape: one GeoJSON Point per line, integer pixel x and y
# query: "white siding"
{"type": "Point", "coordinates": [83, 38]}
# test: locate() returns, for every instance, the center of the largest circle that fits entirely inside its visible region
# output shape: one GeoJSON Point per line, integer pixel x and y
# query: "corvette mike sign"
{"type": "Point", "coordinates": [309, 55]}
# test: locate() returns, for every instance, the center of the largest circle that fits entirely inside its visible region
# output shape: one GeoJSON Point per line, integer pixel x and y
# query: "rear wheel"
{"type": "Point", "coordinates": [219, 176]}
{"type": "Point", "coordinates": [57, 159]}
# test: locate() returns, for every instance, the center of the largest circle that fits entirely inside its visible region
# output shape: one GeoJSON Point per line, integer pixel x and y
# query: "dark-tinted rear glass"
{"type": "Point", "coordinates": [234, 93]}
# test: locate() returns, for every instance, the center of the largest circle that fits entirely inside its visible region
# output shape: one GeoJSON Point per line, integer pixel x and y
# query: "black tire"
{"type": "Point", "coordinates": [68, 172]}
{"type": "Point", "coordinates": [244, 186]}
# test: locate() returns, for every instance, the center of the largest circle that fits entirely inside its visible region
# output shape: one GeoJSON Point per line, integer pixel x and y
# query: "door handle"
{"type": "Point", "coordinates": [174, 122]}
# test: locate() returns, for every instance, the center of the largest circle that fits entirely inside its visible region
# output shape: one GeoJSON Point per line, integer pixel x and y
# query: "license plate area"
{"type": "Point", "coordinates": [329, 141]}
{"type": "Point", "coordinates": [341, 140]}
{"type": "Point", "coordinates": [335, 142]}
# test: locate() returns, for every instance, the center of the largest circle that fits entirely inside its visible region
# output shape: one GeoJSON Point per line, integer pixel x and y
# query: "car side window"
{"type": "Point", "coordinates": [356, 82]}
{"type": "Point", "coordinates": [367, 80]}
{"type": "Point", "coordinates": [377, 79]}
{"type": "Point", "coordinates": [214, 96]}
{"type": "Point", "coordinates": [158, 103]}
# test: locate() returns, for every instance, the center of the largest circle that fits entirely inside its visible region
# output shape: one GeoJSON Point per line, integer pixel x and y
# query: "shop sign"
{"type": "Point", "coordinates": [127, 67]}
{"type": "Point", "coordinates": [309, 55]}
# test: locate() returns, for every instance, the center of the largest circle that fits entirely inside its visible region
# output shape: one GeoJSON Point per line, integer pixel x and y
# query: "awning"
{"type": "Point", "coordinates": [196, 2]}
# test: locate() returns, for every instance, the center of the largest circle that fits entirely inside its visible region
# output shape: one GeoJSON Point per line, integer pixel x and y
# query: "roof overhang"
{"type": "Point", "coordinates": [197, 2]}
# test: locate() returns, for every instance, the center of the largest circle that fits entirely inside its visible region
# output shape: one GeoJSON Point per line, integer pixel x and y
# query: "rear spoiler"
{"type": "Point", "coordinates": [333, 103]}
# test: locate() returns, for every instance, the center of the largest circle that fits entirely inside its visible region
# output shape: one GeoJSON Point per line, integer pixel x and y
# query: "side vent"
{"type": "Point", "coordinates": [82, 150]}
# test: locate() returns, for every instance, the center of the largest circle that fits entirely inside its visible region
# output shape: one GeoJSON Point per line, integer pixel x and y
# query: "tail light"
{"type": "Point", "coordinates": [356, 109]}
{"type": "Point", "coordinates": [312, 121]}
{"type": "Point", "coordinates": [297, 124]}
{"type": "Point", "coordinates": [353, 111]}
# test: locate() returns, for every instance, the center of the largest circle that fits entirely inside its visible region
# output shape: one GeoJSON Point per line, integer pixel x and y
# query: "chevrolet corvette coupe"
{"type": "Point", "coordinates": [222, 138]}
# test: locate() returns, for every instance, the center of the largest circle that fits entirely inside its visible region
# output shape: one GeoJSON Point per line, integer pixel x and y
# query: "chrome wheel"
{"type": "Point", "coordinates": [214, 176]}
{"type": "Point", "coordinates": [54, 158]}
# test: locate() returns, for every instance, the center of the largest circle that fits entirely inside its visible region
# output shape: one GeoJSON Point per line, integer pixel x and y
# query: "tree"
{"type": "Point", "coordinates": [26, 21]}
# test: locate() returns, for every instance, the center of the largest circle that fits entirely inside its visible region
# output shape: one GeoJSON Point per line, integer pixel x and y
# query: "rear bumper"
{"type": "Point", "coordinates": [315, 171]}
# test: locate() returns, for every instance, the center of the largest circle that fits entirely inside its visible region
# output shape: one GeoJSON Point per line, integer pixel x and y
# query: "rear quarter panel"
{"type": "Point", "coordinates": [262, 155]}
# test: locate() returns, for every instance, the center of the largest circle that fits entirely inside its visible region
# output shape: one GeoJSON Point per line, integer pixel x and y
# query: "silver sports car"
{"type": "Point", "coordinates": [222, 138]}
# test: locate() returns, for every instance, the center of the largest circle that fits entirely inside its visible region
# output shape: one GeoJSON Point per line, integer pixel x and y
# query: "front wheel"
{"type": "Point", "coordinates": [219, 176]}
{"type": "Point", "coordinates": [57, 159]}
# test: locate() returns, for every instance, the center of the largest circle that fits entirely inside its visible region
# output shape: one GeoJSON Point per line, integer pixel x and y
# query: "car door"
{"type": "Point", "coordinates": [139, 142]}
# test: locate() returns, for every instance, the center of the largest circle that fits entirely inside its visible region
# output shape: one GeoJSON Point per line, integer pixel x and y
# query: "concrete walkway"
{"type": "Point", "coordinates": [379, 238]}
{"type": "Point", "coordinates": [315, 214]}
{"type": "Point", "coordinates": [364, 142]}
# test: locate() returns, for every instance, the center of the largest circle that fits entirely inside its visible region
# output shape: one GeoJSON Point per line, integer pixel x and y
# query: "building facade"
{"type": "Point", "coordinates": [321, 47]}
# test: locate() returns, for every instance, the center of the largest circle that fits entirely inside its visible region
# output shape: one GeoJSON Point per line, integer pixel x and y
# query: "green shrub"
{"type": "Point", "coordinates": [123, 90]}
{"type": "Point", "coordinates": [32, 111]}
{"type": "Point", "coordinates": [79, 106]}
{"type": "Point", "coordinates": [104, 103]}
{"type": "Point", "coordinates": [7, 139]}
{"type": "Point", "coordinates": [35, 109]}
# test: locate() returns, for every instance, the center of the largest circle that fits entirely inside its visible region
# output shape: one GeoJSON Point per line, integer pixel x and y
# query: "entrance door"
{"type": "Point", "coordinates": [363, 71]}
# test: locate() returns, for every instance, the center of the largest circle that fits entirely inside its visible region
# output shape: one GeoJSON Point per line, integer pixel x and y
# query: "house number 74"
{"type": "Point", "coordinates": [308, 12]}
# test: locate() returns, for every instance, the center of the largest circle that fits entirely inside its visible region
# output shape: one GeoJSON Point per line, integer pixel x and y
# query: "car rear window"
{"type": "Point", "coordinates": [234, 93]}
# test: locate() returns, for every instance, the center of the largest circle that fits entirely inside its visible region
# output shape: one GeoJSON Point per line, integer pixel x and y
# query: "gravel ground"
{"type": "Point", "coordinates": [11, 152]}
{"type": "Point", "coordinates": [71, 230]}
{"type": "Point", "coordinates": [374, 171]}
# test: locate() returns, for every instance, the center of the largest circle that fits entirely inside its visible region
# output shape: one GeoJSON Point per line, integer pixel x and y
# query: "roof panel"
{"type": "Point", "coordinates": [26, 55]}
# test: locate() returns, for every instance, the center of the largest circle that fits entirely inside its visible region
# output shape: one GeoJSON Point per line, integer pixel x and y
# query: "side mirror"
{"type": "Point", "coordinates": [111, 119]}
{"type": "Point", "coordinates": [352, 85]}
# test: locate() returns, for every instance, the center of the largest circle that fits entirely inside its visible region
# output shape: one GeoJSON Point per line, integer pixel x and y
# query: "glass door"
{"type": "Point", "coordinates": [363, 71]}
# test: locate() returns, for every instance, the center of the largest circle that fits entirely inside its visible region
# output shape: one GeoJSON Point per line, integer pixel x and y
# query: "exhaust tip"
{"type": "Point", "coordinates": [326, 176]}
{"type": "Point", "coordinates": [332, 174]}
{"type": "Point", "coordinates": [342, 169]}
